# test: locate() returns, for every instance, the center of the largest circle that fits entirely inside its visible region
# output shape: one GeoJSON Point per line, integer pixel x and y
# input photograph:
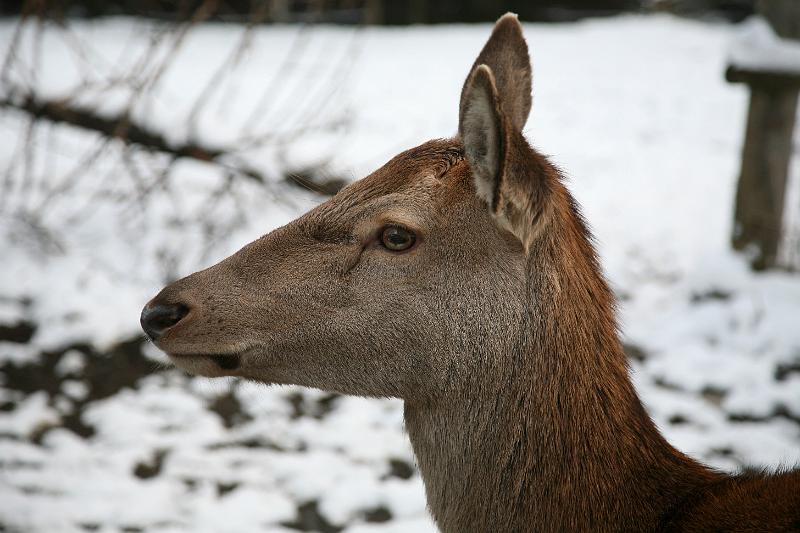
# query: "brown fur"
{"type": "Point", "coordinates": [496, 328]}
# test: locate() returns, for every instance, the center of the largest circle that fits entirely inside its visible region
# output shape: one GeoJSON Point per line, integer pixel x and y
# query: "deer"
{"type": "Point", "coordinates": [461, 278]}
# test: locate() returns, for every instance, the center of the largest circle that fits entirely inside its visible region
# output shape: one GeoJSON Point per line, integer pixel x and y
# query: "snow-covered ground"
{"type": "Point", "coordinates": [634, 109]}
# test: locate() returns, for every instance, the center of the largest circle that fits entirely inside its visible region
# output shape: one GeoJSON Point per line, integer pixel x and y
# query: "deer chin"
{"type": "Point", "coordinates": [209, 365]}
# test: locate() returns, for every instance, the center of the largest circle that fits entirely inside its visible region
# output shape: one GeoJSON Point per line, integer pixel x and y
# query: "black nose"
{"type": "Point", "coordinates": [158, 318]}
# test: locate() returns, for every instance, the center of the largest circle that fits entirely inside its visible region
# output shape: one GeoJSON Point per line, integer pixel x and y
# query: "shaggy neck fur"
{"type": "Point", "coordinates": [553, 438]}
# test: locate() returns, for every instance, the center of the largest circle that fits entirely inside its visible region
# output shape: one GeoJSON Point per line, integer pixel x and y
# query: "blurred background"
{"type": "Point", "coordinates": [140, 141]}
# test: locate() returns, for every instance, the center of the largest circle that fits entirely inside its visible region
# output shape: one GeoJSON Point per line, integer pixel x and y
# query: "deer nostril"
{"type": "Point", "coordinates": [158, 318]}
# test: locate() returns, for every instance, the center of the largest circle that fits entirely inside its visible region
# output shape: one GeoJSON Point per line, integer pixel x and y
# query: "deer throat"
{"type": "Point", "coordinates": [518, 462]}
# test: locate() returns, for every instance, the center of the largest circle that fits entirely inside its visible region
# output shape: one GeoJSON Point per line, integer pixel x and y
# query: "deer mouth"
{"type": "Point", "coordinates": [227, 362]}
{"type": "Point", "coordinates": [224, 362]}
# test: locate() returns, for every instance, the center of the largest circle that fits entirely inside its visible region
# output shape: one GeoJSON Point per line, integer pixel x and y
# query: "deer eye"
{"type": "Point", "coordinates": [397, 239]}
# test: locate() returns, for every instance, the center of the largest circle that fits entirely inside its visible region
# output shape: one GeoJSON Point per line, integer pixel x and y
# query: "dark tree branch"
{"type": "Point", "coordinates": [117, 127]}
{"type": "Point", "coordinates": [122, 128]}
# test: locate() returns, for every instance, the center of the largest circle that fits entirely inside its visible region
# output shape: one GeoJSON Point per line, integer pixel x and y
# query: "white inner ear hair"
{"type": "Point", "coordinates": [480, 136]}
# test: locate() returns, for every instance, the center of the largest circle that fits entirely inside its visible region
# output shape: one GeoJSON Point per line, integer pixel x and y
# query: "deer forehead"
{"type": "Point", "coordinates": [410, 190]}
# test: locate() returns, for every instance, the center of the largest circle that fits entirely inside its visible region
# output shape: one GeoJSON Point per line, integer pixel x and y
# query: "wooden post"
{"type": "Point", "coordinates": [758, 215]}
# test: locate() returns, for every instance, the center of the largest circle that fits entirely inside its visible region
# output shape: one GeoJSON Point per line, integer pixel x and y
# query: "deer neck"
{"type": "Point", "coordinates": [556, 438]}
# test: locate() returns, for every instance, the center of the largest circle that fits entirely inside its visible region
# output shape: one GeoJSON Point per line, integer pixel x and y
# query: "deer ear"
{"type": "Point", "coordinates": [506, 55]}
{"type": "Point", "coordinates": [495, 103]}
{"type": "Point", "coordinates": [483, 131]}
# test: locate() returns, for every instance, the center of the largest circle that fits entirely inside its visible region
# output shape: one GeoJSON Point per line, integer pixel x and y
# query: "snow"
{"type": "Point", "coordinates": [31, 413]}
{"type": "Point", "coordinates": [71, 363]}
{"type": "Point", "coordinates": [634, 109]}
{"type": "Point", "coordinates": [758, 48]}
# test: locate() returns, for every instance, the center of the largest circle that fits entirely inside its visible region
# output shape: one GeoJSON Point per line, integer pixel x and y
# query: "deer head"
{"type": "Point", "coordinates": [402, 283]}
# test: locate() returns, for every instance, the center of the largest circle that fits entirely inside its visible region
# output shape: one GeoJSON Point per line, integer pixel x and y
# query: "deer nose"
{"type": "Point", "coordinates": [158, 318]}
